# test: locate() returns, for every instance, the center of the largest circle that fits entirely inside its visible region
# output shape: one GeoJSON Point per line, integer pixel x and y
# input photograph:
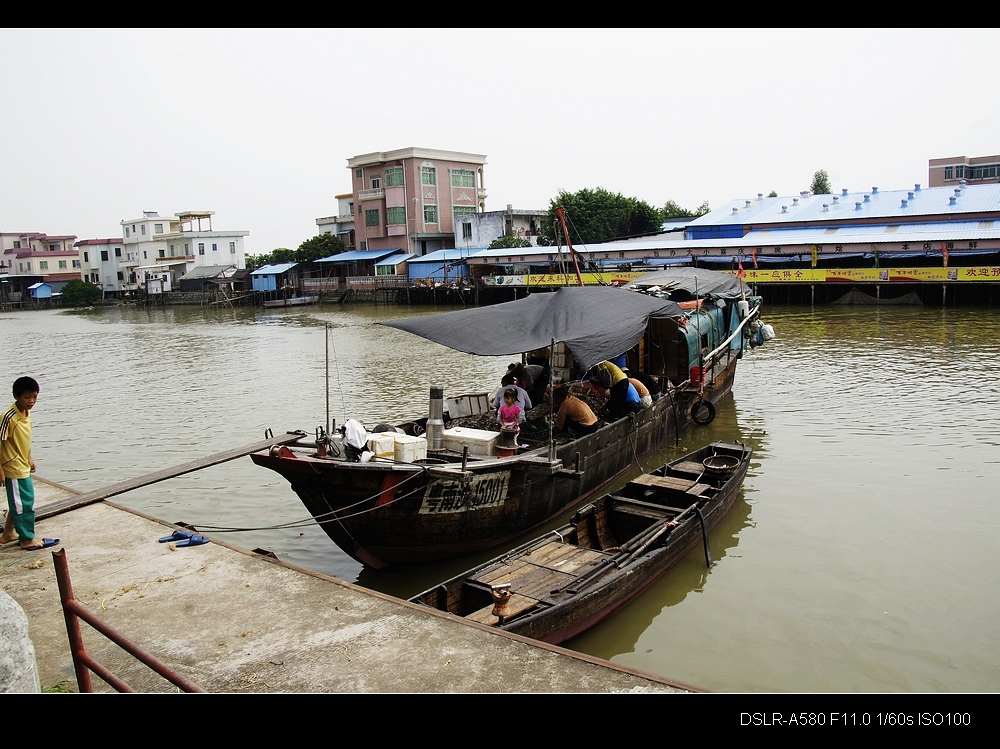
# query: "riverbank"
{"type": "Point", "coordinates": [234, 621]}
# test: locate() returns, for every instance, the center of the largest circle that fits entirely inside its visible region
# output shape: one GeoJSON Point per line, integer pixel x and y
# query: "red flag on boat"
{"type": "Point", "coordinates": [740, 273]}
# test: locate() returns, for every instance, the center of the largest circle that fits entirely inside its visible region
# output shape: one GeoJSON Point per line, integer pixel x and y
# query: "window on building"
{"type": "Point", "coordinates": [53, 248]}
{"type": "Point", "coordinates": [143, 227]}
{"type": "Point", "coordinates": [395, 216]}
{"type": "Point", "coordinates": [17, 244]}
{"type": "Point", "coordinates": [104, 256]}
{"type": "Point", "coordinates": [126, 232]}
{"type": "Point", "coordinates": [201, 248]}
{"type": "Point", "coordinates": [364, 245]}
{"type": "Point", "coordinates": [394, 176]}
{"type": "Point", "coordinates": [215, 247]}
{"type": "Point", "coordinates": [376, 183]}
{"type": "Point", "coordinates": [463, 178]}
{"type": "Point", "coordinates": [359, 210]}
{"type": "Point", "coordinates": [428, 175]}
{"type": "Point", "coordinates": [62, 265]}
{"type": "Point", "coordinates": [86, 257]}
{"type": "Point", "coordinates": [371, 218]}
{"type": "Point", "coordinates": [145, 254]}
{"type": "Point", "coordinates": [358, 173]}
{"type": "Point", "coordinates": [232, 246]}
{"type": "Point", "coordinates": [157, 229]}
{"type": "Point", "coordinates": [118, 251]}
{"type": "Point", "coordinates": [430, 214]}
{"type": "Point", "coordinates": [121, 275]}
{"type": "Point", "coordinates": [162, 253]}
{"type": "Point", "coordinates": [960, 171]}
{"type": "Point", "coordinates": [187, 247]}
{"type": "Point", "coordinates": [466, 230]}
{"type": "Point", "coordinates": [43, 265]}
{"type": "Point", "coordinates": [949, 172]}
{"type": "Point", "coordinates": [76, 263]}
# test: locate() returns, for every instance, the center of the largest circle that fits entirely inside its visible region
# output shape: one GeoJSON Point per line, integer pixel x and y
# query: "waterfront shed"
{"type": "Point", "coordinates": [274, 277]}
{"type": "Point", "coordinates": [443, 266]}
{"type": "Point", "coordinates": [40, 290]}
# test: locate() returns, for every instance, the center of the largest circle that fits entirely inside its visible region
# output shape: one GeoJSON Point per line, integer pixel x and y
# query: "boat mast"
{"type": "Point", "coordinates": [561, 214]}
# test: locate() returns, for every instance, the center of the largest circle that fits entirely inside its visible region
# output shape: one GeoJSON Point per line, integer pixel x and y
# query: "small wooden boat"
{"type": "Point", "coordinates": [576, 576]}
{"type": "Point", "coordinates": [292, 301]}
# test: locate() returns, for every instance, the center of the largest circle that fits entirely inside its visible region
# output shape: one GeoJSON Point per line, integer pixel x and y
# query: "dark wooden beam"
{"type": "Point", "coordinates": [71, 503]}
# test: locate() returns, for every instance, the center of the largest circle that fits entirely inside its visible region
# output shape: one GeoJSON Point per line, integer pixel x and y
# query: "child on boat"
{"type": "Point", "coordinates": [509, 414]}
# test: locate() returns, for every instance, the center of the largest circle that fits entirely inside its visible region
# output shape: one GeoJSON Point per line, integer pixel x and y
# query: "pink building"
{"type": "Point", "coordinates": [979, 170]}
{"type": "Point", "coordinates": [408, 199]}
{"type": "Point", "coordinates": [51, 258]}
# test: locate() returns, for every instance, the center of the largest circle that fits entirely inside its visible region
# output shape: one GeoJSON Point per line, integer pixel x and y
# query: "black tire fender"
{"type": "Point", "coordinates": [703, 413]}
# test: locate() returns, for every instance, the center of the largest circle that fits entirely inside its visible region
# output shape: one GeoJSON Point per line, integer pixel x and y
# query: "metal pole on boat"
{"type": "Point", "coordinates": [328, 378]}
{"type": "Point", "coordinates": [552, 392]}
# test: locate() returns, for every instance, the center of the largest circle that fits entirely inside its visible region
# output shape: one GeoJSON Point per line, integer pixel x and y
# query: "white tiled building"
{"type": "Point", "coordinates": [102, 263]}
{"type": "Point", "coordinates": [168, 247]}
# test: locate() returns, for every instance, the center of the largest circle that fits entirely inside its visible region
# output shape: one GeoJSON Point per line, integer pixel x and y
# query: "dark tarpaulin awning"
{"type": "Point", "coordinates": [595, 322]}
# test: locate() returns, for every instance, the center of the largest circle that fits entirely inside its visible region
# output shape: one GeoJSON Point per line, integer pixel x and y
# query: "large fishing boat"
{"type": "Point", "coordinates": [425, 490]}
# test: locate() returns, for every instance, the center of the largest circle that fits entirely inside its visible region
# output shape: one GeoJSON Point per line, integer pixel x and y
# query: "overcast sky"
{"type": "Point", "coordinates": [99, 125]}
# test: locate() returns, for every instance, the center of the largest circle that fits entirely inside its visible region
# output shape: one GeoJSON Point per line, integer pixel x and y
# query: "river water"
{"type": "Point", "coordinates": [860, 559]}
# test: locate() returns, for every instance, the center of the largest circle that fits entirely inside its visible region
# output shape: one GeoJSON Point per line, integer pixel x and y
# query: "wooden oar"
{"type": "Point", "coordinates": [121, 487]}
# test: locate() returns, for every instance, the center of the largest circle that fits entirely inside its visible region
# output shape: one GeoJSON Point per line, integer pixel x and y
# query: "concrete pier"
{"type": "Point", "coordinates": [233, 621]}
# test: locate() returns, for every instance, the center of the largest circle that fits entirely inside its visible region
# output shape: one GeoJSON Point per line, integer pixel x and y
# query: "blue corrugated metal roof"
{"type": "Point", "coordinates": [848, 206]}
{"type": "Point", "coordinates": [396, 259]}
{"type": "Point", "coordinates": [363, 255]}
{"type": "Point", "coordinates": [276, 270]}
{"type": "Point", "coordinates": [444, 256]}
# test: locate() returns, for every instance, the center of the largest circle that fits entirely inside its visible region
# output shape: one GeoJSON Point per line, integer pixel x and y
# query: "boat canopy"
{"type": "Point", "coordinates": [691, 283]}
{"type": "Point", "coordinates": [595, 322]}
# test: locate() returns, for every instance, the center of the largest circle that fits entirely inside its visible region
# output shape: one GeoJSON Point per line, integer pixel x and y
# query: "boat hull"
{"type": "Point", "coordinates": [385, 514]}
{"type": "Point", "coordinates": [568, 582]}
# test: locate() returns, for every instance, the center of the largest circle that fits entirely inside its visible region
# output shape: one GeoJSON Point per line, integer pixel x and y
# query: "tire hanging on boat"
{"type": "Point", "coordinates": [703, 413]}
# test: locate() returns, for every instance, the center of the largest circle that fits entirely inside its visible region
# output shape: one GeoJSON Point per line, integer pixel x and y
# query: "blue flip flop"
{"type": "Point", "coordinates": [176, 536]}
{"type": "Point", "coordinates": [46, 543]}
{"type": "Point", "coordinates": [194, 540]}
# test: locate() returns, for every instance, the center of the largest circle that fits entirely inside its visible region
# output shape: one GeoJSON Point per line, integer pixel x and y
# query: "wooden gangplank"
{"type": "Point", "coordinates": [65, 505]}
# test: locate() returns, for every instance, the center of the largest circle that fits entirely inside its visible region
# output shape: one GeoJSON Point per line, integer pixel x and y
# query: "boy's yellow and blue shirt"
{"type": "Point", "coordinates": [15, 443]}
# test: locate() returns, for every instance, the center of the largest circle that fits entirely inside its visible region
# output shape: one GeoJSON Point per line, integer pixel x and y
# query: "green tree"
{"type": "Point", "coordinates": [773, 194]}
{"type": "Point", "coordinates": [509, 242]}
{"type": "Point", "coordinates": [821, 183]}
{"type": "Point", "coordinates": [320, 246]}
{"type": "Point", "coordinates": [672, 210]}
{"type": "Point", "coordinates": [81, 293]}
{"type": "Point", "coordinates": [599, 215]}
{"type": "Point", "coordinates": [277, 255]}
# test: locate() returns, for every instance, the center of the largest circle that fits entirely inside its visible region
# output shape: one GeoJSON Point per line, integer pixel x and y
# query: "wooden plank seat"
{"type": "Point", "coordinates": [688, 466]}
{"type": "Point", "coordinates": [664, 482]}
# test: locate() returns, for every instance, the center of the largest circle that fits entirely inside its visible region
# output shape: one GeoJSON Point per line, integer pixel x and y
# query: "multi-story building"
{"type": "Point", "coordinates": [102, 263]}
{"type": "Point", "coordinates": [979, 170]}
{"type": "Point", "coordinates": [480, 229]}
{"type": "Point", "coordinates": [342, 225]}
{"type": "Point", "coordinates": [165, 248]}
{"type": "Point", "coordinates": [409, 198]}
{"type": "Point", "coordinates": [39, 257]}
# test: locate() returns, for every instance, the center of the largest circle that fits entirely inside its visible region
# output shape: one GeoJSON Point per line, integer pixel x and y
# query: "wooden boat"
{"type": "Point", "coordinates": [563, 583]}
{"type": "Point", "coordinates": [457, 493]}
{"type": "Point", "coordinates": [292, 301]}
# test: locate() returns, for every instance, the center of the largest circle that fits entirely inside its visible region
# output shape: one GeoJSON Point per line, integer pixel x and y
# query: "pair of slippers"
{"type": "Point", "coordinates": [184, 538]}
{"type": "Point", "coordinates": [46, 543]}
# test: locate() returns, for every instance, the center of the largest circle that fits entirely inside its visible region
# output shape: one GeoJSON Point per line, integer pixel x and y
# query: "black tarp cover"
{"type": "Point", "coordinates": [595, 322]}
{"type": "Point", "coordinates": [695, 282]}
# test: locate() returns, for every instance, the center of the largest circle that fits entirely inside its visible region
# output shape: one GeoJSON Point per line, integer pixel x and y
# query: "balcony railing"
{"type": "Point", "coordinates": [373, 194]}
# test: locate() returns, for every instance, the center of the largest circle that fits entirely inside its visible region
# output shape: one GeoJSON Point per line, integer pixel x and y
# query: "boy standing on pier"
{"type": "Point", "coordinates": [16, 467]}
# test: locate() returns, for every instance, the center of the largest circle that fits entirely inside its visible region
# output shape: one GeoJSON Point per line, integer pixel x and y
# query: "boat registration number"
{"type": "Point", "coordinates": [478, 493]}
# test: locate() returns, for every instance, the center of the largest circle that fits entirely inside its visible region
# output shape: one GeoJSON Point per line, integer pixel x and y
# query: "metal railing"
{"type": "Point", "coordinates": [83, 664]}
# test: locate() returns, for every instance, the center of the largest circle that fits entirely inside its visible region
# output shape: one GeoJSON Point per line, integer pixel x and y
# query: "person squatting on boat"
{"type": "Point", "coordinates": [651, 383]}
{"type": "Point", "coordinates": [534, 378]}
{"type": "Point", "coordinates": [623, 398]}
{"type": "Point", "coordinates": [574, 415]}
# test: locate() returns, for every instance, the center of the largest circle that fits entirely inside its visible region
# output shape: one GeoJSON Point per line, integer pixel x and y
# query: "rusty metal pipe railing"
{"type": "Point", "coordinates": [83, 664]}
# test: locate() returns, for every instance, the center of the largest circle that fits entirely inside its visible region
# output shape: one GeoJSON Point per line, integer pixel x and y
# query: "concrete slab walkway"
{"type": "Point", "coordinates": [233, 621]}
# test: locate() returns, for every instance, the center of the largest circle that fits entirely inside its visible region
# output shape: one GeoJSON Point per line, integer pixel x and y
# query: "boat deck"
{"type": "Point", "coordinates": [233, 621]}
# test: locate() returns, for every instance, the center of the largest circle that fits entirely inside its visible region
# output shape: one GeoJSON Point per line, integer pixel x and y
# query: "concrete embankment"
{"type": "Point", "coordinates": [229, 620]}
